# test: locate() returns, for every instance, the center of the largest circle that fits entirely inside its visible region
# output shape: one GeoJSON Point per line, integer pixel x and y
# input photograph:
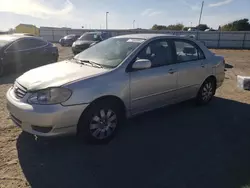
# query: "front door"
{"type": "Point", "coordinates": [154, 87]}
{"type": "Point", "coordinates": [192, 68]}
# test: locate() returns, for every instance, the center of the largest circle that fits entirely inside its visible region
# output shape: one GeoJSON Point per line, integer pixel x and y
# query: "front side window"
{"type": "Point", "coordinates": [186, 51]}
{"type": "Point", "coordinates": [158, 52]}
{"type": "Point", "coordinates": [110, 52]}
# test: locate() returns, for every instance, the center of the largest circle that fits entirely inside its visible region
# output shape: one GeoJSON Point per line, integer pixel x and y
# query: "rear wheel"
{"type": "Point", "coordinates": [100, 122]}
{"type": "Point", "coordinates": [206, 92]}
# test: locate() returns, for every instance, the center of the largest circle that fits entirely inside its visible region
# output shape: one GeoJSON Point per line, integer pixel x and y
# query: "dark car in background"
{"type": "Point", "coordinates": [21, 53]}
{"type": "Point", "coordinates": [88, 39]}
{"type": "Point", "coordinates": [68, 40]}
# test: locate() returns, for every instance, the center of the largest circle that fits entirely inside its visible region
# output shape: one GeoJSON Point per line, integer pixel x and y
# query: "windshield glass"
{"type": "Point", "coordinates": [111, 52]}
{"type": "Point", "coordinates": [5, 40]}
{"type": "Point", "coordinates": [69, 36]}
{"type": "Point", "coordinates": [90, 36]}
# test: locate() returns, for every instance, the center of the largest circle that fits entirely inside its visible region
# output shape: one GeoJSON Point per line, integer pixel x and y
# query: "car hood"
{"type": "Point", "coordinates": [81, 42]}
{"type": "Point", "coordinates": [57, 74]}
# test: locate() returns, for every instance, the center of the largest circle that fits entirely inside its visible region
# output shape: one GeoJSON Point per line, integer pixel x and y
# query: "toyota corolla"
{"type": "Point", "coordinates": [118, 78]}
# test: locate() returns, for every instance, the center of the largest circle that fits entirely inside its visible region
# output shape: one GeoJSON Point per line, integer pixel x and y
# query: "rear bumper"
{"type": "Point", "coordinates": [44, 120]}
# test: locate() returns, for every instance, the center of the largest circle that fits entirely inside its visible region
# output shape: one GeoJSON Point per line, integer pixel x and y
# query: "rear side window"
{"type": "Point", "coordinates": [26, 44]}
{"type": "Point", "coordinates": [187, 51]}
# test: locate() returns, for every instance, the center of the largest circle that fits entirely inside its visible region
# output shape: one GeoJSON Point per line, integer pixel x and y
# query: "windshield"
{"type": "Point", "coordinates": [90, 37]}
{"type": "Point", "coordinates": [69, 36]}
{"type": "Point", "coordinates": [111, 52]}
{"type": "Point", "coordinates": [5, 40]}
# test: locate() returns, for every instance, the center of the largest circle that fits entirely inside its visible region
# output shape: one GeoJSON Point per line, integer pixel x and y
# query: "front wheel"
{"type": "Point", "coordinates": [100, 122]}
{"type": "Point", "coordinates": [206, 92]}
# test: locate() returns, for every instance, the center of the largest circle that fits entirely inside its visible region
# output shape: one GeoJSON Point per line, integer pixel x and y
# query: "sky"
{"type": "Point", "coordinates": [122, 13]}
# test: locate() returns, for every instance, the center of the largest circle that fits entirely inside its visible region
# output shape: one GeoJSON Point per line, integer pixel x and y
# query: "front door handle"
{"type": "Point", "coordinates": [202, 65]}
{"type": "Point", "coordinates": [171, 71]}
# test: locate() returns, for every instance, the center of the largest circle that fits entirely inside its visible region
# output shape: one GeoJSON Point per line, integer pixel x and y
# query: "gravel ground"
{"type": "Point", "coordinates": [178, 146]}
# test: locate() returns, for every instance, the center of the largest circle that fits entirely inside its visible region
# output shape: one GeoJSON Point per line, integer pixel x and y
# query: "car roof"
{"type": "Point", "coordinates": [145, 36]}
{"type": "Point", "coordinates": [15, 37]}
{"type": "Point", "coordinates": [93, 32]}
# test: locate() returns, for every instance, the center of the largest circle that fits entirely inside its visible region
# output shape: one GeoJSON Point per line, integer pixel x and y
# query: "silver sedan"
{"type": "Point", "coordinates": [118, 78]}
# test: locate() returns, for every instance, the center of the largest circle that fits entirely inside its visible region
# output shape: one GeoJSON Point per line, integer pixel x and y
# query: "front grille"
{"type": "Point", "coordinates": [19, 90]}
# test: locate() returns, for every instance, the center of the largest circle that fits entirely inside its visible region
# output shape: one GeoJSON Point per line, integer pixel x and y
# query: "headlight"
{"type": "Point", "coordinates": [50, 96]}
{"type": "Point", "coordinates": [74, 44]}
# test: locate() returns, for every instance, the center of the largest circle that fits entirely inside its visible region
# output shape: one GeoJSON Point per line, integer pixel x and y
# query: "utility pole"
{"type": "Point", "coordinates": [107, 20]}
{"type": "Point", "coordinates": [133, 24]}
{"type": "Point", "coordinates": [201, 12]}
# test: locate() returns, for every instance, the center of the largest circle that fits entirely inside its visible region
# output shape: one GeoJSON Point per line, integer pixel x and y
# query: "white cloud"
{"type": "Point", "coordinates": [146, 11]}
{"type": "Point", "coordinates": [150, 12]}
{"type": "Point", "coordinates": [221, 3]}
{"type": "Point", "coordinates": [194, 7]}
{"type": "Point", "coordinates": [35, 9]}
{"type": "Point", "coordinates": [155, 13]}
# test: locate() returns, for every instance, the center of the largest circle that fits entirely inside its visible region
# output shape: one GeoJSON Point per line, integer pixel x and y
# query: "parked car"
{"type": "Point", "coordinates": [193, 29]}
{"type": "Point", "coordinates": [68, 40]}
{"type": "Point", "coordinates": [20, 53]}
{"type": "Point", "coordinates": [120, 77]}
{"type": "Point", "coordinates": [88, 39]}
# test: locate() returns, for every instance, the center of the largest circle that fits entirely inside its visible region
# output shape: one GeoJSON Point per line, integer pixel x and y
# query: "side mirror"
{"type": "Point", "coordinates": [142, 64]}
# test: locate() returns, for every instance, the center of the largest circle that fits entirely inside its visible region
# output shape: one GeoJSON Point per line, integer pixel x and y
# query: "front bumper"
{"type": "Point", "coordinates": [43, 120]}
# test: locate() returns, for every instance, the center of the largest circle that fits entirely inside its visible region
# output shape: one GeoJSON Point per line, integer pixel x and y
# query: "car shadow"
{"type": "Point", "coordinates": [178, 146]}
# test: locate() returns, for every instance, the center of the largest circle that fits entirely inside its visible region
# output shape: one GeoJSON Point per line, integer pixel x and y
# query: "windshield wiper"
{"type": "Point", "coordinates": [93, 64]}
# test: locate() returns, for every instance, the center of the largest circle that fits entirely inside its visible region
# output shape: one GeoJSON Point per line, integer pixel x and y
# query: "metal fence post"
{"type": "Point", "coordinates": [218, 45]}
{"type": "Point", "coordinates": [53, 36]}
{"type": "Point", "coordinates": [244, 40]}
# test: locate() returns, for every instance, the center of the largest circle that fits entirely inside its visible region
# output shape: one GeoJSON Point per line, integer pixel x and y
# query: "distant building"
{"type": "Point", "coordinates": [27, 28]}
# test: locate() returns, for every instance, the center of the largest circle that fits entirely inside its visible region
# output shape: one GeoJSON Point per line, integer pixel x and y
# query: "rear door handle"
{"type": "Point", "coordinates": [171, 71]}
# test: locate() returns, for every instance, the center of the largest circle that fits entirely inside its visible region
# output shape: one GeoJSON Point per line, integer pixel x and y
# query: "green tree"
{"type": "Point", "coordinates": [237, 25]}
{"type": "Point", "coordinates": [176, 27]}
{"type": "Point", "coordinates": [159, 27]}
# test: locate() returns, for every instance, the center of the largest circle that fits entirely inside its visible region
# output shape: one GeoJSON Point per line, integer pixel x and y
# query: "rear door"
{"type": "Point", "coordinates": [36, 53]}
{"type": "Point", "coordinates": [192, 68]}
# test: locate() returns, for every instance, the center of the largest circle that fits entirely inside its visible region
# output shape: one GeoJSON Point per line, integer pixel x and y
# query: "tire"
{"type": "Point", "coordinates": [100, 122]}
{"type": "Point", "coordinates": [206, 92]}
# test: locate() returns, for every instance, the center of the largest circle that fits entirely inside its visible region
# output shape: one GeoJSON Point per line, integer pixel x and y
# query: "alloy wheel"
{"type": "Point", "coordinates": [103, 124]}
{"type": "Point", "coordinates": [207, 91]}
